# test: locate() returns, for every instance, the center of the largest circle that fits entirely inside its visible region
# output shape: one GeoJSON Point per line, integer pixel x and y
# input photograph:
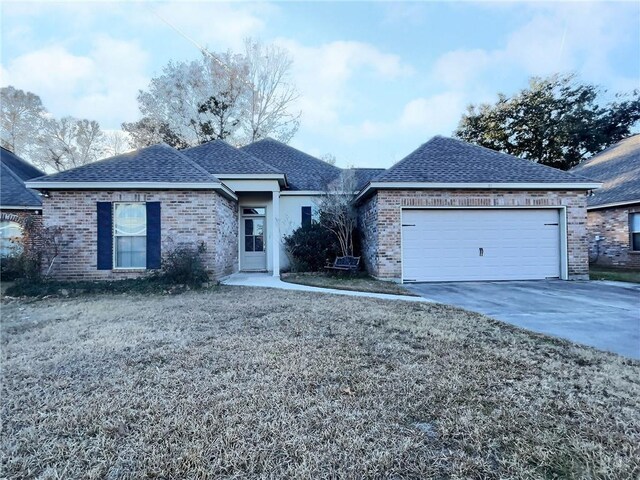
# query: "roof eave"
{"type": "Point", "coordinates": [613, 204]}
{"type": "Point", "coordinates": [280, 177]}
{"type": "Point", "coordinates": [372, 186]}
{"type": "Point", "coordinates": [216, 186]}
{"type": "Point", "coordinates": [20, 207]}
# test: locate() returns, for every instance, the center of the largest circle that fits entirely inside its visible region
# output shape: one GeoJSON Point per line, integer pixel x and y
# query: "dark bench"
{"type": "Point", "coordinates": [345, 264]}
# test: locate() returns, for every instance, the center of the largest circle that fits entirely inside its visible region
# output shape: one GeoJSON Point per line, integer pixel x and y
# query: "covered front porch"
{"type": "Point", "coordinates": [258, 225]}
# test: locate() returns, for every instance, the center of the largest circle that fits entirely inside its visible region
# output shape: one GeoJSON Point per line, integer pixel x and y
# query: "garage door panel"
{"type": "Point", "coordinates": [444, 245]}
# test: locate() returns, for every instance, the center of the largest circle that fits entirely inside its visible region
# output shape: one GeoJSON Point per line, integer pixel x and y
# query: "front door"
{"type": "Point", "coordinates": [253, 254]}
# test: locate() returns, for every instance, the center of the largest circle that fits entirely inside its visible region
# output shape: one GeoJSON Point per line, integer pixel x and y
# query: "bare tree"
{"type": "Point", "coordinates": [329, 158]}
{"type": "Point", "coordinates": [236, 97]}
{"type": "Point", "coordinates": [22, 117]}
{"type": "Point", "coordinates": [68, 143]}
{"type": "Point", "coordinates": [271, 93]}
{"type": "Point", "coordinates": [115, 142]}
{"type": "Point", "coordinates": [338, 212]}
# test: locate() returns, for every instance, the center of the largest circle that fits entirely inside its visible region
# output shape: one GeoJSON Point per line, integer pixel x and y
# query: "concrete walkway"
{"type": "Point", "coordinates": [266, 280]}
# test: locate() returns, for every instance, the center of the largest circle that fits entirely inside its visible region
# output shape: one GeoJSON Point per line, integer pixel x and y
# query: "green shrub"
{"type": "Point", "coordinates": [184, 265]}
{"type": "Point", "coordinates": [311, 247]}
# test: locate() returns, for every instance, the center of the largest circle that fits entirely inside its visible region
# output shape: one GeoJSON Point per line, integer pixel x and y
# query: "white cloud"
{"type": "Point", "coordinates": [323, 75]}
{"type": "Point", "coordinates": [436, 114]}
{"type": "Point", "coordinates": [555, 38]}
{"type": "Point", "coordinates": [101, 85]}
{"type": "Point", "coordinates": [216, 25]}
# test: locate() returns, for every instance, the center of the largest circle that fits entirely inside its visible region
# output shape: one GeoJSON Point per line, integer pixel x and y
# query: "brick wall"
{"type": "Point", "coordinates": [382, 244]}
{"type": "Point", "coordinates": [612, 226]}
{"type": "Point", "coordinates": [368, 226]}
{"type": "Point", "coordinates": [186, 217]}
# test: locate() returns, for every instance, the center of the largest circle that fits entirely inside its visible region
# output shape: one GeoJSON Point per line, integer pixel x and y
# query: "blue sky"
{"type": "Point", "coordinates": [376, 79]}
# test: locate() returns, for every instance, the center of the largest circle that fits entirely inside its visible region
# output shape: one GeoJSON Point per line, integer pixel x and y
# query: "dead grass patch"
{"type": "Point", "coordinates": [262, 383]}
{"type": "Point", "coordinates": [358, 282]}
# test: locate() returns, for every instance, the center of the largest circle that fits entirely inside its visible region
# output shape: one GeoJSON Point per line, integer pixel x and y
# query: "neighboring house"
{"type": "Point", "coordinates": [614, 209]}
{"type": "Point", "coordinates": [17, 202]}
{"type": "Point", "coordinates": [449, 211]}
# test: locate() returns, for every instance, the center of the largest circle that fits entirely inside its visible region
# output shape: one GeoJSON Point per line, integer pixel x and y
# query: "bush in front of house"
{"type": "Point", "coordinates": [182, 269]}
{"type": "Point", "coordinates": [184, 265]}
{"type": "Point", "coordinates": [311, 247]}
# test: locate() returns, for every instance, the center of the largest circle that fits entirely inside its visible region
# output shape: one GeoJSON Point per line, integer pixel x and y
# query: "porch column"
{"type": "Point", "coordinates": [275, 229]}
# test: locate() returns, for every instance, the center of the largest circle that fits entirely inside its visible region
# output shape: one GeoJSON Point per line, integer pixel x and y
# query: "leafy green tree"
{"type": "Point", "coordinates": [556, 121]}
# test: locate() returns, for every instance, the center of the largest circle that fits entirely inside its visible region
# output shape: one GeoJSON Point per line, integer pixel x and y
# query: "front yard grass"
{"type": "Point", "coordinates": [344, 281]}
{"type": "Point", "coordinates": [246, 382]}
{"type": "Point", "coordinates": [616, 275]}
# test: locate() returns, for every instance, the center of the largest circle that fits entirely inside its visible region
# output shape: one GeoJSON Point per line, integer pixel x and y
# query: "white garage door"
{"type": "Point", "coordinates": [476, 244]}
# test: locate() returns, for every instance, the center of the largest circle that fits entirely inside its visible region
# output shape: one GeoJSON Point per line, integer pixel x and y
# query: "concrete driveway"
{"type": "Point", "coordinates": [605, 315]}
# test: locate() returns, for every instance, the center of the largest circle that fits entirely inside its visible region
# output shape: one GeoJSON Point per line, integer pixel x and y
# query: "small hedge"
{"type": "Point", "coordinates": [182, 269]}
{"type": "Point", "coordinates": [311, 247]}
{"type": "Point", "coordinates": [153, 284]}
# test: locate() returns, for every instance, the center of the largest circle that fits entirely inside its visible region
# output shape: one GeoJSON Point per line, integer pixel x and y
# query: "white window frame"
{"type": "Point", "coordinates": [115, 236]}
{"type": "Point", "coordinates": [17, 246]}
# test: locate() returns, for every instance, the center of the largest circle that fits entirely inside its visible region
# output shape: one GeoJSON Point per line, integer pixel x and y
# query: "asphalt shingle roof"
{"type": "Point", "coordinates": [218, 157]}
{"type": "Point", "coordinates": [365, 175]}
{"type": "Point", "coordinates": [448, 160]}
{"type": "Point", "coordinates": [303, 171]}
{"type": "Point", "coordinates": [618, 168]}
{"type": "Point", "coordinates": [156, 164]}
{"type": "Point", "coordinates": [24, 170]}
{"type": "Point", "coordinates": [13, 172]}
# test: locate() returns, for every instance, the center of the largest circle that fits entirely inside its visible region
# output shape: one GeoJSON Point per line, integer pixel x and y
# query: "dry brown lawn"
{"type": "Point", "coordinates": [261, 383]}
{"type": "Point", "coordinates": [359, 283]}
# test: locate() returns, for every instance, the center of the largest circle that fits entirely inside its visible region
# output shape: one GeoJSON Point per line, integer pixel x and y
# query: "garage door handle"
{"type": "Point", "coordinates": [408, 224]}
{"type": "Point", "coordinates": [481, 251]}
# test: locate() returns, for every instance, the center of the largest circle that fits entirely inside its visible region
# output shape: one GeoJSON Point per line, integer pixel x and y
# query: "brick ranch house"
{"type": "Point", "coordinates": [614, 210]}
{"type": "Point", "coordinates": [18, 204]}
{"type": "Point", "coordinates": [448, 211]}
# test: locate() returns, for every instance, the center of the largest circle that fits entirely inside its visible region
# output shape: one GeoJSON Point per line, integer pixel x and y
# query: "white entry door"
{"type": "Point", "coordinates": [253, 251]}
{"type": "Point", "coordinates": [480, 244]}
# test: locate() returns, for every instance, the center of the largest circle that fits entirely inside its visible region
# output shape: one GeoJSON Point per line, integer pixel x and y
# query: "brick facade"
{"type": "Point", "coordinates": [186, 217]}
{"type": "Point", "coordinates": [611, 226]}
{"type": "Point", "coordinates": [380, 221]}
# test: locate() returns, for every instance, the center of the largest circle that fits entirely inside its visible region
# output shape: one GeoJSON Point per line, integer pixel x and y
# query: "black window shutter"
{"type": "Point", "coordinates": [153, 235]}
{"type": "Point", "coordinates": [105, 236]}
{"type": "Point", "coordinates": [306, 216]}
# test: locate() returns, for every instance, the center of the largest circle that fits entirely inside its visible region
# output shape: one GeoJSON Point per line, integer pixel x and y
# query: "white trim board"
{"type": "Point", "coordinates": [613, 205]}
{"type": "Point", "coordinates": [13, 207]}
{"type": "Point", "coordinates": [132, 186]}
{"type": "Point", "coordinates": [475, 186]}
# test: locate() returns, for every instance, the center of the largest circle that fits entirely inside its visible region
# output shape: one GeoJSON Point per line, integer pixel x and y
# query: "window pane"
{"type": "Point", "coordinates": [130, 219]}
{"type": "Point", "coordinates": [248, 227]}
{"type": "Point", "coordinates": [131, 252]}
{"type": "Point", "coordinates": [259, 244]}
{"type": "Point", "coordinates": [634, 222]}
{"type": "Point", "coordinates": [306, 216]}
{"type": "Point", "coordinates": [254, 211]}
{"type": "Point", "coordinates": [10, 235]}
{"type": "Point", "coordinates": [258, 226]}
{"type": "Point", "coordinates": [635, 241]}
{"type": "Point", "coordinates": [248, 243]}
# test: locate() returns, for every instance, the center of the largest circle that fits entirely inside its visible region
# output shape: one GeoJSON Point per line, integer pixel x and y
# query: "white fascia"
{"type": "Point", "coordinates": [477, 186]}
{"type": "Point", "coordinates": [132, 186]}
{"type": "Point", "coordinates": [281, 177]}
{"type": "Point", "coordinates": [612, 205]}
{"type": "Point", "coordinates": [17, 207]}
